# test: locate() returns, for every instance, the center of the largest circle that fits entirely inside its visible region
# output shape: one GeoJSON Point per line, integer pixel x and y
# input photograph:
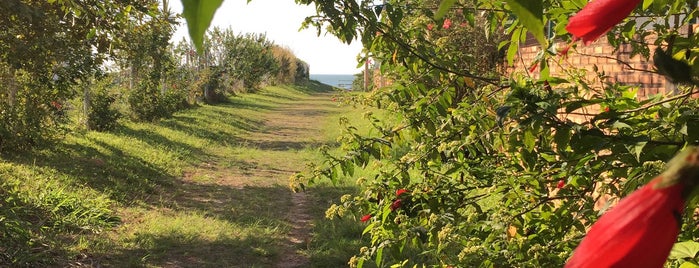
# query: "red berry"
{"type": "Point", "coordinates": [561, 184]}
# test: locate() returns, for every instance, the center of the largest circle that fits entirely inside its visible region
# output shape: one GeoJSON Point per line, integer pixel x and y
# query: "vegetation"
{"type": "Point", "coordinates": [72, 196]}
{"type": "Point", "coordinates": [464, 164]}
{"type": "Point", "coordinates": [194, 189]}
{"type": "Point", "coordinates": [150, 78]}
{"type": "Point", "coordinates": [490, 168]}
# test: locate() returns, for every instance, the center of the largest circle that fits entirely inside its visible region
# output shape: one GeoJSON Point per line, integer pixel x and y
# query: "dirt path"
{"type": "Point", "coordinates": [294, 126]}
{"type": "Point", "coordinates": [290, 128]}
{"type": "Point", "coordinates": [299, 237]}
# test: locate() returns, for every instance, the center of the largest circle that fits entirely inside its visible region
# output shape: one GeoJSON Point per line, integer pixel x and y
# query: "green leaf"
{"type": "Point", "coordinates": [686, 249]}
{"type": "Point", "coordinates": [620, 125]}
{"type": "Point", "coordinates": [379, 257]}
{"type": "Point", "coordinates": [531, 15]}
{"type": "Point", "coordinates": [199, 14]}
{"type": "Point", "coordinates": [444, 7]}
{"type": "Point", "coordinates": [637, 148]}
{"type": "Point", "coordinates": [689, 265]}
{"type": "Point", "coordinates": [562, 138]}
{"type": "Point", "coordinates": [647, 3]}
{"type": "Point", "coordinates": [529, 140]}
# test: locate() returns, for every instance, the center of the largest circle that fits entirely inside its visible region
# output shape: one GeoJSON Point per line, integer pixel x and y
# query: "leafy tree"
{"type": "Point", "coordinates": [101, 114]}
{"type": "Point", "coordinates": [46, 48]}
{"type": "Point", "coordinates": [498, 171]}
{"type": "Point", "coordinates": [249, 58]}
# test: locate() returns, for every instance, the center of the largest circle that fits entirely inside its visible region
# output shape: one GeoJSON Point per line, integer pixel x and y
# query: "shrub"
{"type": "Point", "coordinates": [31, 112]}
{"type": "Point", "coordinates": [102, 116]}
{"type": "Point", "coordinates": [144, 102]}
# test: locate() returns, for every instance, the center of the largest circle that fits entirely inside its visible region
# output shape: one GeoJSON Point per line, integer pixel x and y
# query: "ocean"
{"type": "Point", "coordinates": [336, 80]}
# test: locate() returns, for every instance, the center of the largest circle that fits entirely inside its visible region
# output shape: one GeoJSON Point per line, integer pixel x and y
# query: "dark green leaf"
{"type": "Point", "coordinates": [636, 149]}
{"type": "Point", "coordinates": [676, 70]}
{"type": "Point", "coordinates": [199, 14]}
{"type": "Point", "coordinates": [531, 15]}
{"type": "Point", "coordinates": [562, 138]}
{"type": "Point", "coordinates": [444, 7]}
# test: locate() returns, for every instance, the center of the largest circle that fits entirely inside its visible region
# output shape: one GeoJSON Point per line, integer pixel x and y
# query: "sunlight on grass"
{"type": "Point", "coordinates": [197, 240]}
{"type": "Point", "coordinates": [205, 188]}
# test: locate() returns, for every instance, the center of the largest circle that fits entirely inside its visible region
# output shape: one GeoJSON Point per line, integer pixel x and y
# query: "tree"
{"type": "Point", "coordinates": [48, 47]}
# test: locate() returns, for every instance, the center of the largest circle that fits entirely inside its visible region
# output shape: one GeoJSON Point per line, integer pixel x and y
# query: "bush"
{"type": "Point", "coordinates": [31, 112]}
{"type": "Point", "coordinates": [174, 101]}
{"type": "Point", "coordinates": [102, 116]}
{"type": "Point", "coordinates": [209, 86]}
{"type": "Point", "coordinates": [145, 102]}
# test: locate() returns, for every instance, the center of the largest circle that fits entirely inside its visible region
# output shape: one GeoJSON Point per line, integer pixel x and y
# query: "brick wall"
{"type": "Point", "coordinates": [618, 65]}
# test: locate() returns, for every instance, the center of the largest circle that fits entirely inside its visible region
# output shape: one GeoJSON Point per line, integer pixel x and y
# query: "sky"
{"type": "Point", "coordinates": [280, 20]}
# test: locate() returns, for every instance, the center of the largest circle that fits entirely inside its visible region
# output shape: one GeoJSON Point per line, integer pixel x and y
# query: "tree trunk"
{"type": "Point", "coordinates": [87, 102]}
{"type": "Point", "coordinates": [8, 79]}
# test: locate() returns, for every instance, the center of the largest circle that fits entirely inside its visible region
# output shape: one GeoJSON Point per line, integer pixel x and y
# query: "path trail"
{"type": "Point", "coordinates": [276, 150]}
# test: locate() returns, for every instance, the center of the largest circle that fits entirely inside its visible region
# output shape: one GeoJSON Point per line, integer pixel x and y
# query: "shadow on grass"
{"type": "Point", "coordinates": [270, 145]}
{"type": "Point", "coordinates": [259, 220]}
{"type": "Point", "coordinates": [223, 226]}
{"type": "Point", "coordinates": [23, 243]}
{"type": "Point", "coordinates": [181, 250]}
{"type": "Point", "coordinates": [247, 205]}
{"type": "Point", "coordinates": [346, 232]}
{"type": "Point", "coordinates": [134, 179]}
{"type": "Point", "coordinates": [123, 176]}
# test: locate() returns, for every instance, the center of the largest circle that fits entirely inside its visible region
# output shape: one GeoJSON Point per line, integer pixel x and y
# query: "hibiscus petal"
{"type": "Point", "coordinates": [637, 232]}
{"type": "Point", "coordinates": [598, 17]}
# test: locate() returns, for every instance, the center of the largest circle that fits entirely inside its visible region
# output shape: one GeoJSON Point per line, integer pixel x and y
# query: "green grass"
{"type": "Point", "coordinates": [205, 188]}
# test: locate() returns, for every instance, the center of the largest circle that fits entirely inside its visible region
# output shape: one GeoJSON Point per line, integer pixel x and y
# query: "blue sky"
{"type": "Point", "coordinates": [281, 20]}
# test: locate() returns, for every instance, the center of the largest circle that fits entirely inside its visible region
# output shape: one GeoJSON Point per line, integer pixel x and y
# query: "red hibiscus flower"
{"type": "Point", "coordinates": [396, 204]}
{"type": "Point", "coordinates": [641, 229]}
{"type": "Point", "coordinates": [597, 17]}
{"type": "Point", "coordinates": [446, 24]}
{"type": "Point", "coordinates": [365, 217]}
{"type": "Point", "coordinates": [401, 191]}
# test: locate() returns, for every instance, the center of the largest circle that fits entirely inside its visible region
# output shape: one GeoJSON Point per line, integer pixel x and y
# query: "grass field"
{"type": "Point", "coordinates": [205, 188]}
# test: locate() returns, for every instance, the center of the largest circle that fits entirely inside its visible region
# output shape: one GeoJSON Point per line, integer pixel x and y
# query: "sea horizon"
{"type": "Point", "coordinates": [335, 80]}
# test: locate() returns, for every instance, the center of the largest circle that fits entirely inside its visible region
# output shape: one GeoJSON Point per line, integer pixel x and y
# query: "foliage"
{"type": "Point", "coordinates": [286, 65]}
{"type": "Point", "coordinates": [199, 15]}
{"type": "Point", "coordinates": [302, 71]}
{"type": "Point", "coordinates": [47, 48]}
{"type": "Point", "coordinates": [150, 194]}
{"type": "Point", "coordinates": [249, 58]}
{"type": "Point", "coordinates": [358, 81]}
{"type": "Point", "coordinates": [502, 169]}
{"type": "Point", "coordinates": [102, 115]}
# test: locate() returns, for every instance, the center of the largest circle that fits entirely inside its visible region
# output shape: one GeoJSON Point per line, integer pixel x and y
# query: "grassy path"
{"type": "Point", "coordinates": [233, 207]}
{"type": "Point", "coordinates": [206, 188]}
